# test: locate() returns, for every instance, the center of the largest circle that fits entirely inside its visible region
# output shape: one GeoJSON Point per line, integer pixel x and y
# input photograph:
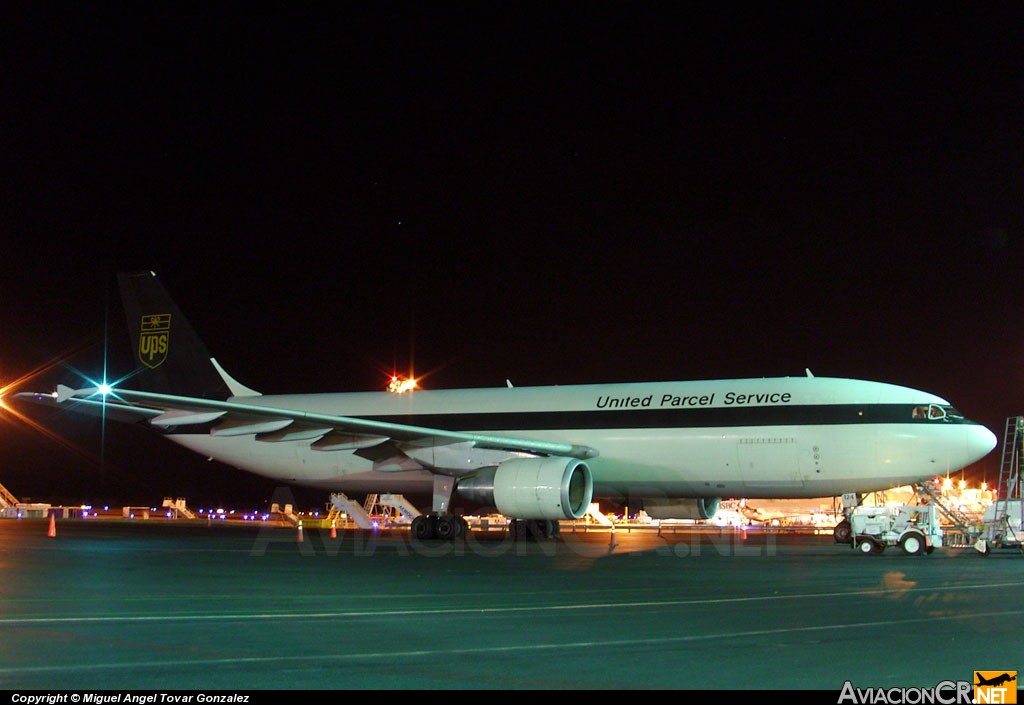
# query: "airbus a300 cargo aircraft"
{"type": "Point", "coordinates": [536, 454]}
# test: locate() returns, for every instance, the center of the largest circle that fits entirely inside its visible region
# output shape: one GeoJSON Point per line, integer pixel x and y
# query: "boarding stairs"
{"type": "Point", "coordinates": [405, 509]}
{"type": "Point", "coordinates": [379, 510]}
{"type": "Point", "coordinates": [955, 517]}
{"type": "Point", "coordinates": [595, 513]}
{"type": "Point", "coordinates": [1003, 521]}
{"type": "Point", "coordinates": [6, 498]}
{"type": "Point", "coordinates": [286, 514]}
{"type": "Point", "coordinates": [179, 507]}
{"type": "Point", "coordinates": [342, 504]}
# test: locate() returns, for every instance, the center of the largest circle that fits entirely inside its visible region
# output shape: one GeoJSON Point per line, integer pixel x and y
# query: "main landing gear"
{"type": "Point", "coordinates": [445, 527]}
{"type": "Point", "coordinates": [439, 524]}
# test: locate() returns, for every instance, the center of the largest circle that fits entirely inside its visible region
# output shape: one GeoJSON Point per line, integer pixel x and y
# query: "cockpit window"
{"type": "Point", "coordinates": [936, 412]}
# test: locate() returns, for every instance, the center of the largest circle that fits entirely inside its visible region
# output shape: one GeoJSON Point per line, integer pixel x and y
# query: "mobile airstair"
{"type": "Point", "coordinates": [961, 529]}
{"type": "Point", "coordinates": [594, 513]}
{"type": "Point", "coordinates": [405, 511]}
{"type": "Point", "coordinates": [1003, 526]}
{"type": "Point", "coordinates": [179, 507]}
{"type": "Point", "coordinates": [341, 504]}
{"type": "Point", "coordinates": [6, 498]}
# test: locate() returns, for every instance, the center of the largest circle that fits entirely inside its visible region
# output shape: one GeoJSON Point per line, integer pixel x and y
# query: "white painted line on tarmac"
{"type": "Point", "coordinates": [479, 650]}
{"type": "Point", "coordinates": [449, 611]}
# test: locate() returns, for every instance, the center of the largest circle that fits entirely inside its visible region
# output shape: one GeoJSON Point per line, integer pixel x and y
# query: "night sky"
{"type": "Point", "coordinates": [552, 193]}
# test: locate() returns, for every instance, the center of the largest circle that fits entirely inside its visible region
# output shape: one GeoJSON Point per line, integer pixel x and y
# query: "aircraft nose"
{"type": "Point", "coordinates": [980, 442]}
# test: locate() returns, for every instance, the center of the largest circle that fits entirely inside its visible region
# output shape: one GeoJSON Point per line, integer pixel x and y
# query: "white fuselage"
{"type": "Point", "coordinates": [758, 438]}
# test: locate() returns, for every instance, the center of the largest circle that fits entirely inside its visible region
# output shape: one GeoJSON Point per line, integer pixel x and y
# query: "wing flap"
{"type": "Point", "coordinates": [247, 427]}
{"type": "Point", "coordinates": [185, 417]}
{"type": "Point", "coordinates": [295, 432]}
{"type": "Point", "coordinates": [388, 457]}
{"type": "Point", "coordinates": [346, 441]}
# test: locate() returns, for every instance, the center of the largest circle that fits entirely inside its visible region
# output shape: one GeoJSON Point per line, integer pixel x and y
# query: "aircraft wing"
{"type": "Point", "coordinates": [93, 407]}
{"type": "Point", "coordinates": [236, 418]}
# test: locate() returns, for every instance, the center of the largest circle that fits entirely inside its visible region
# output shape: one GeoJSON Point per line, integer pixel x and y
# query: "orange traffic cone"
{"type": "Point", "coordinates": [334, 531]}
{"type": "Point", "coordinates": [52, 531]}
{"type": "Point", "coordinates": [298, 536]}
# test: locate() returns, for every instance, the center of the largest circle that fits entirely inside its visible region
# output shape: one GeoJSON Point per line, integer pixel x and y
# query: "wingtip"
{"type": "Point", "coordinates": [64, 393]}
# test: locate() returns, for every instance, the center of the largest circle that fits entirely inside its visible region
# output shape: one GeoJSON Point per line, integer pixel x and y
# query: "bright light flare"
{"type": "Point", "coordinates": [399, 385]}
{"type": "Point", "coordinates": [48, 433]}
{"type": "Point", "coordinates": [16, 414]}
{"type": "Point", "coordinates": [12, 414]}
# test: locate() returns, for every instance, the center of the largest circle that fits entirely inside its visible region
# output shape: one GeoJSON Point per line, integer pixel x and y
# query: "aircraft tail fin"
{"type": "Point", "coordinates": [171, 357]}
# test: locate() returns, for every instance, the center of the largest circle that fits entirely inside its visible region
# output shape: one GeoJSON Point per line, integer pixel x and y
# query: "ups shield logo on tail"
{"type": "Point", "coordinates": [153, 339]}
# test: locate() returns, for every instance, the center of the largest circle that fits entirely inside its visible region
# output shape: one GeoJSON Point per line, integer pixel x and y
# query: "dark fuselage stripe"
{"type": "Point", "coordinates": [717, 417]}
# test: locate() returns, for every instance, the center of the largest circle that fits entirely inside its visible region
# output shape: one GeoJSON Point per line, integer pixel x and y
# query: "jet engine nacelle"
{"type": "Point", "coordinates": [702, 508]}
{"type": "Point", "coordinates": [533, 488]}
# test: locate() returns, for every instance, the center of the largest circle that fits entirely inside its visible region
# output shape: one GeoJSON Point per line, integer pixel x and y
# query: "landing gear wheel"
{"type": "Point", "coordinates": [912, 544]}
{"type": "Point", "coordinates": [843, 532]}
{"type": "Point", "coordinates": [450, 528]}
{"type": "Point", "coordinates": [424, 527]}
{"type": "Point", "coordinates": [445, 528]}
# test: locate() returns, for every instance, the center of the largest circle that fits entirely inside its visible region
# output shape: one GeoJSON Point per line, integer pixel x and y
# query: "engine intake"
{"type": "Point", "coordinates": [533, 488]}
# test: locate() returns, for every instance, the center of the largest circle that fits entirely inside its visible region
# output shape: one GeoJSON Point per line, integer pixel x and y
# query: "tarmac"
{"type": "Point", "coordinates": [166, 606]}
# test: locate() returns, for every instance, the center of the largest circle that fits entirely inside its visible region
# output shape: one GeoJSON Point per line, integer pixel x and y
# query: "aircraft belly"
{"type": "Point", "coordinates": [293, 463]}
{"type": "Point", "coordinates": [818, 461]}
{"type": "Point", "coordinates": [770, 460]}
{"type": "Point", "coordinates": [861, 457]}
{"type": "Point", "coordinates": [753, 462]}
{"type": "Point", "coordinates": [665, 463]}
